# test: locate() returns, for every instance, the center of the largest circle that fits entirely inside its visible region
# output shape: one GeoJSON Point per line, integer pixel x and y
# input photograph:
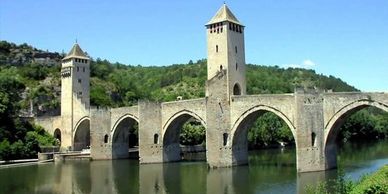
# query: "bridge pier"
{"type": "Point", "coordinates": [150, 144]}
{"type": "Point", "coordinates": [309, 131]}
{"type": "Point", "coordinates": [100, 144]}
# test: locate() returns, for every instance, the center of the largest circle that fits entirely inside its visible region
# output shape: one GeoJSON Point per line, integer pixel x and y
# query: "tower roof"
{"type": "Point", "coordinates": [224, 14]}
{"type": "Point", "coordinates": [76, 52]}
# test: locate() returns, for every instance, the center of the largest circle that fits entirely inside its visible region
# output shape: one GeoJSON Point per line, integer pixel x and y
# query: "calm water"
{"type": "Point", "coordinates": [269, 171]}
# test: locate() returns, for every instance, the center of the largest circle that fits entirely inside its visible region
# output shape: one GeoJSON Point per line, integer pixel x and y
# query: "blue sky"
{"type": "Point", "coordinates": [347, 39]}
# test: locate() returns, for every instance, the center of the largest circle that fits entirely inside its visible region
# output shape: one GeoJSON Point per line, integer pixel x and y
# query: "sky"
{"type": "Point", "coordinates": [344, 38]}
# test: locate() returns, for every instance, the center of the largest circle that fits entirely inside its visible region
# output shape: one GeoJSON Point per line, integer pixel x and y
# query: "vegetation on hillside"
{"type": "Point", "coordinates": [27, 82]}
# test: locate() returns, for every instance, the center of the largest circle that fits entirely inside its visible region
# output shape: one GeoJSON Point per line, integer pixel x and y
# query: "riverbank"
{"type": "Point", "coordinates": [374, 183]}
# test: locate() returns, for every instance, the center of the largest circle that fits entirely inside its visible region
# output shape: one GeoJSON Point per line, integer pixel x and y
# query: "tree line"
{"type": "Point", "coordinates": [116, 84]}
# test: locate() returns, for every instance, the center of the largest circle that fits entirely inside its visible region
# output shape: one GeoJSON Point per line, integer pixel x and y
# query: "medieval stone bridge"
{"type": "Point", "coordinates": [227, 112]}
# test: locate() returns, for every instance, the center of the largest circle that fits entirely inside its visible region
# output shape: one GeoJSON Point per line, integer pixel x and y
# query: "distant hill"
{"type": "Point", "coordinates": [116, 84]}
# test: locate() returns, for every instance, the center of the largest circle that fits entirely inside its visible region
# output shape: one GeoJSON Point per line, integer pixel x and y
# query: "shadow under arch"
{"type": "Point", "coordinates": [171, 134]}
{"type": "Point", "coordinates": [334, 124]}
{"type": "Point", "coordinates": [124, 135]}
{"type": "Point", "coordinates": [81, 139]}
{"type": "Point", "coordinates": [239, 133]}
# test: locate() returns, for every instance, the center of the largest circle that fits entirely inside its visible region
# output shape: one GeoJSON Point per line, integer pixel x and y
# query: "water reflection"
{"type": "Point", "coordinates": [269, 171]}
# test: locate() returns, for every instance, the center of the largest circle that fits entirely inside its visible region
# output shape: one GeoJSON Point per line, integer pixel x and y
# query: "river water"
{"type": "Point", "coordinates": [269, 171]}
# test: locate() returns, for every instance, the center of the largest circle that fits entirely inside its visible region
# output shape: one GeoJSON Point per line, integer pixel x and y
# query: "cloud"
{"type": "Point", "coordinates": [306, 64]}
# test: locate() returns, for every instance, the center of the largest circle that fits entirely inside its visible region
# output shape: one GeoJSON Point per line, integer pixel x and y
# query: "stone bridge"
{"type": "Point", "coordinates": [227, 112]}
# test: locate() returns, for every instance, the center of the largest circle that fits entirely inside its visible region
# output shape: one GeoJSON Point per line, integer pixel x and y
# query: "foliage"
{"type": "Point", "coordinates": [19, 139]}
{"type": "Point", "coordinates": [267, 130]}
{"type": "Point", "coordinates": [193, 133]}
{"type": "Point", "coordinates": [375, 183]}
{"type": "Point", "coordinates": [367, 124]}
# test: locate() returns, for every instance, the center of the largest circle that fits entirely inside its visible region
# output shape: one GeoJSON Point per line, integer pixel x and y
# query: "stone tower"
{"type": "Point", "coordinates": [226, 50]}
{"type": "Point", "coordinates": [226, 78]}
{"type": "Point", "coordinates": [75, 87]}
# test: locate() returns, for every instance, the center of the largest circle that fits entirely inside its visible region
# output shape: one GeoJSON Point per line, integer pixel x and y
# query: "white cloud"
{"type": "Point", "coordinates": [306, 64]}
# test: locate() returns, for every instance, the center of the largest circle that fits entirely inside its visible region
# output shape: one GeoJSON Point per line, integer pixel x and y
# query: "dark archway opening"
{"type": "Point", "coordinates": [57, 136]}
{"type": "Point", "coordinates": [236, 89]}
{"type": "Point", "coordinates": [359, 129]}
{"type": "Point", "coordinates": [185, 139]}
{"type": "Point", "coordinates": [82, 136]}
{"type": "Point", "coordinates": [125, 140]}
{"type": "Point", "coordinates": [264, 138]}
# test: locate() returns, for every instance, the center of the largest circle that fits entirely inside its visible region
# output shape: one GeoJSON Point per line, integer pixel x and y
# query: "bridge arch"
{"type": "Point", "coordinates": [250, 116]}
{"type": "Point", "coordinates": [335, 122]}
{"type": "Point", "coordinates": [238, 141]}
{"type": "Point", "coordinates": [124, 135]}
{"type": "Point", "coordinates": [171, 132]}
{"type": "Point", "coordinates": [332, 127]}
{"type": "Point", "coordinates": [81, 138]}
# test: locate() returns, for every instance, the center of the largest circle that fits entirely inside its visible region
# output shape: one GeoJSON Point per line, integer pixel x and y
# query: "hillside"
{"type": "Point", "coordinates": [30, 85]}
{"type": "Point", "coordinates": [115, 84]}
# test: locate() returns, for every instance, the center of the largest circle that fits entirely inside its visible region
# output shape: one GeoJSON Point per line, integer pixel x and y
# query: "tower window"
{"type": "Point", "coordinates": [156, 138]}
{"type": "Point", "coordinates": [236, 66]}
{"type": "Point", "coordinates": [230, 26]}
{"type": "Point", "coordinates": [216, 48]}
{"type": "Point", "coordinates": [106, 138]}
{"type": "Point", "coordinates": [77, 69]}
{"type": "Point", "coordinates": [236, 89]}
{"type": "Point", "coordinates": [313, 138]}
{"type": "Point", "coordinates": [235, 49]}
{"type": "Point", "coordinates": [79, 80]}
{"type": "Point", "coordinates": [80, 93]}
{"type": "Point", "coordinates": [83, 69]}
{"type": "Point", "coordinates": [220, 67]}
{"type": "Point", "coordinates": [225, 138]}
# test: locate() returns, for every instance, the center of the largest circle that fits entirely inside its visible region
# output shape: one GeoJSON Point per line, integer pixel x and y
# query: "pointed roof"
{"type": "Point", "coordinates": [76, 52]}
{"type": "Point", "coordinates": [224, 14]}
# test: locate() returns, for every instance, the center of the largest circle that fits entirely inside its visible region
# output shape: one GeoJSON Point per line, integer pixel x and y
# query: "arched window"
{"type": "Point", "coordinates": [235, 49]}
{"type": "Point", "coordinates": [216, 48]}
{"type": "Point", "coordinates": [156, 138]}
{"type": "Point", "coordinates": [236, 66]}
{"type": "Point", "coordinates": [313, 138]}
{"type": "Point", "coordinates": [57, 136]}
{"type": "Point", "coordinates": [225, 138]}
{"type": "Point", "coordinates": [106, 137]}
{"type": "Point", "coordinates": [236, 89]}
{"type": "Point", "coordinates": [221, 68]}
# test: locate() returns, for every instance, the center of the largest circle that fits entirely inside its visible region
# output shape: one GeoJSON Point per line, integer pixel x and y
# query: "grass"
{"type": "Point", "coordinates": [376, 183]}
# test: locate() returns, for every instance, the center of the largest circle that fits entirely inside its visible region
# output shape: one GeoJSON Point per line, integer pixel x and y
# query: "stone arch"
{"type": "Point", "coordinates": [236, 89]}
{"type": "Point", "coordinates": [171, 132]}
{"type": "Point", "coordinates": [238, 138]}
{"type": "Point", "coordinates": [58, 135]}
{"type": "Point", "coordinates": [123, 136]}
{"type": "Point", "coordinates": [81, 139]}
{"type": "Point", "coordinates": [335, 122]}
{"type": "Point", "coordinates": [332, 126]}
{"type": "Point", "coordinates": [254, 112]}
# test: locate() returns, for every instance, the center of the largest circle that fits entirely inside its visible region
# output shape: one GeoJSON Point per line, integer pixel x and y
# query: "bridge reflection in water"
{"type": "Point", "coordinates": [269, 171]}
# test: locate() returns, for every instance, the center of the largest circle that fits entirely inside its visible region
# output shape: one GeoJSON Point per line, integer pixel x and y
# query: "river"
{"type": "Point", "coordinates": [269, 171]}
